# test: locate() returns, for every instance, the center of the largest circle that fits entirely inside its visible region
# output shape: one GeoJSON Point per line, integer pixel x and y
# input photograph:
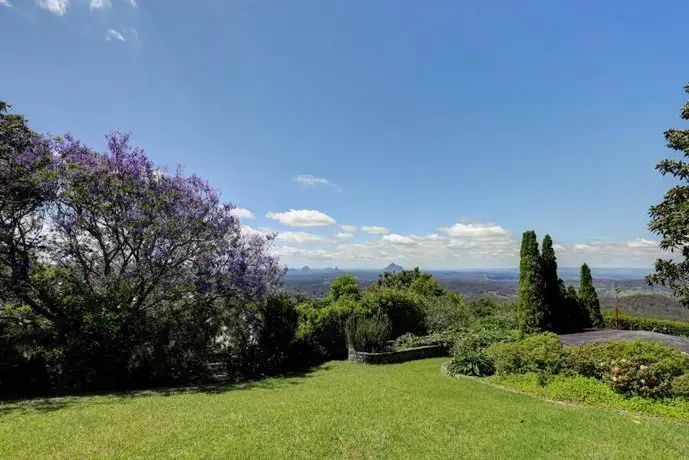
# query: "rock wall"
{"type": "Point", "coordinates": [390, 357]}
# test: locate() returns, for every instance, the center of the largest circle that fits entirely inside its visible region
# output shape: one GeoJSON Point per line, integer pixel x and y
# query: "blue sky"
{"type": "Point", "coordinates": [454, 126]}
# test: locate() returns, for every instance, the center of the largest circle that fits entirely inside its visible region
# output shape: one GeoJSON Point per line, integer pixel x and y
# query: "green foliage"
{"type": "Point", "coordinates": [540, 353]}
{"type": "Point", "coordinates": [593, 392]}
{"type": "Point", "coordinates": [553, 311]}
{"type": "Point", "coordinates": [445, 338]}
{"type": "Point", "coordinates": [641, 368]}
{"type": "Point", "coordinates": [577, 315]}
{"type": "Point", "coordinates": [484, 333]}
{"type": "Point", "coordinates": [344, 286]}
{"type": "Point", "coordinates": [642, 323]}
{"type": "Point", "coordinates": [320, 332]}
{"type": "Point", "coordinates": [368, 333]}
{"type": "Point", "coordinates": [446, 312]}
{"type": "Point", "coordinates": [669, 217]}
{"type": "Point", "coordinates": [474, 362]}
{"type": "Point", "coordinates": [421, 283]}
{"type": "Point", "coordinates": [404, 308]}
{"type": "Point", "coordinates": [482, 307]}
{"type": "Point", "coordinates": [680, 386]}
{"type": "Point", "coordinates": [530, 308]}
{"type": "Point", "coordinates": [588, 298]}
{"type": "Point", "coordinates": [263, 348]}
{"type": "Point", "coordinates": [470, 357]}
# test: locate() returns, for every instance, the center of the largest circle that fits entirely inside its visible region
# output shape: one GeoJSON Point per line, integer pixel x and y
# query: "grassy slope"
{"type": "Point", "coordinates": [342, 410]}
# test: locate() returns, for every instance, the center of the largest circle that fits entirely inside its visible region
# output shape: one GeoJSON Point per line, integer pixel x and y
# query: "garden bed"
{"type": "Point", "coordinates": [390, 357]}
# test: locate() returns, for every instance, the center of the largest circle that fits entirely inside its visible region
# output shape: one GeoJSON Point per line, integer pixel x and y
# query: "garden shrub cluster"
{"type": "Point", "coordinates": [470, 355]}
{"type": "Point", "coordinates": [635, 368]}
{"type": "Point", "coordinates": [641, 323]}
{"type": "Point", "coordinates": [420, 312]}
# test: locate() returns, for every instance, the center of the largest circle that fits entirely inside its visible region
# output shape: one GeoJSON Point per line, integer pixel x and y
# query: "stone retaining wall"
{"type": "Point", "coordinates": [390, 357]}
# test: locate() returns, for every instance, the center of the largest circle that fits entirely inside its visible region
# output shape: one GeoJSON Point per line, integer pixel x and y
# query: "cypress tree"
{"type": "Point", "coordinates": [530, 303]}
{"type": "Point", "coordinates": [575, 320]}
{"type": "Point", "coordinates": [589, 298]}
{"type": "Point", "coordinates": [552, 308]}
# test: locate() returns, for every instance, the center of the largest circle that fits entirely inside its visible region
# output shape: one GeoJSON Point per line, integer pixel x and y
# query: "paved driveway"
{"type": "Point", "coordinates": [605, 335]}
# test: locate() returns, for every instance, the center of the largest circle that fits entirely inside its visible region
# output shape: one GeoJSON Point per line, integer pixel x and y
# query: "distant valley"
{"type": "Point", "coordinates": [635, 295]}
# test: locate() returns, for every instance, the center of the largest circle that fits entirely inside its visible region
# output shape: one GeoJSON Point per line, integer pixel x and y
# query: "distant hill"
{"type": "Point", "coordinates": [393, 268]}
{"type": "Point", "coordinates": [648, 304]}
{"type": "Point", "coordinates": [305, 268]}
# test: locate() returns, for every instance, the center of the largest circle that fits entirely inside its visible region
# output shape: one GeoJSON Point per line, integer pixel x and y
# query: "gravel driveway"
{"type": "Point", "coordinates": [605, 335]}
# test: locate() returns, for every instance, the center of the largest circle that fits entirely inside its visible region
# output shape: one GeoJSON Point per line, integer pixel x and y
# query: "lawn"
{"type": "Point", "coordinates": [342, 410]}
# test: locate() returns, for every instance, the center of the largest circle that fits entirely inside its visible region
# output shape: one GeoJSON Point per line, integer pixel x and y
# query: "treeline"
{"type": "Point", "coordinates": [545, 303]}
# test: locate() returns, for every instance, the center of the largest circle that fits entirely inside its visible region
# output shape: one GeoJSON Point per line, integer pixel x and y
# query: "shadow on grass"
{"type": "Point", "coordinates": [46, 405]}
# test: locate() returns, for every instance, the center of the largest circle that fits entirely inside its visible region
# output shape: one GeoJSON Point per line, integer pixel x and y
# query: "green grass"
{"type": "Point", "coordinates": [593, 392]}
{"type": "Point", "coordinates": [343, 410]}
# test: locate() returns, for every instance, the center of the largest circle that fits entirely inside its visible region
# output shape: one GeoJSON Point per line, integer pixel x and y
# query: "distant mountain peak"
{"type": "Point", "coordinates": [393, 268]}
{"type": "Point", "coordinates": [305, 268]}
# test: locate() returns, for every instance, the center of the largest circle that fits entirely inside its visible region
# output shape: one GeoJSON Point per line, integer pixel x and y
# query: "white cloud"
{"type": "Point", "coordinates": [642, 243]}
{"type": "Point", "coordinates": [301, 237]}
{"type": "Point", "coordinates": [5, 3]}
{"type": "Point", "coordinates": [375, 230]}
{"type": "Point", "coordinates": [475, 230]}
{"type": "Point", "coordinates": [112, 34]}
{"type": "Point", "coordinates": [302, 218]}
{"type": "Point", "coordinates": [311, 181]}
{"type": "Point", "coordinates": [345, 235]}
{"type": "Point", "coordinates": [243, 213]}
{"type": "Point", "coordinates": [308, 180]}
{"type": "Point", "coordinates": [348, 228]}
{"type": "Point", "coordinates": [400, 240]}
{"type": "Point", "coordinates": [133, 3]}
{"type": "Point", "coordinates": [99, 4]}
{"type": "Point", "coordinates": [58, 7]}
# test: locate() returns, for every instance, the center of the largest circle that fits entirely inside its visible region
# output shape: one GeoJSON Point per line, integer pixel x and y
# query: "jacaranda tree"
{"type": "Point", "coordinates": [131, 271]}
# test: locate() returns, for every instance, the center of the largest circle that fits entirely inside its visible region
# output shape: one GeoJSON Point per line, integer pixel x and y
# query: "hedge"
{"type": "Point", "coordinates": [641, 323]}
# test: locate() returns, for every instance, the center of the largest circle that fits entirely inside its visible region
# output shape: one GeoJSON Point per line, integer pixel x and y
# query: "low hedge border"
{"type": "Point", "coordinates": [641, 323]}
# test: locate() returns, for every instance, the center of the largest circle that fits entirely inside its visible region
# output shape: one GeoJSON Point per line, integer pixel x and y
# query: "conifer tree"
{"type": "Point", "coordinates": [552, 300]}
{"type": "Point", "coordinates": [530, 303]}
{"type": "Point", "coordinates": [577, 319]}
{"type": "Point", "coordinates": [589, 298]}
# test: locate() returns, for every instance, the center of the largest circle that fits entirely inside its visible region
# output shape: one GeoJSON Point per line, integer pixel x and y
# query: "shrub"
{"type": "Point", "coordinates": [484, 333]}
{"type": "Point", "coordinates": [540, 353]}
{"type": "Point", "coordinates": [680, 386]}
{"type": "Point", "coordinates": [321, 331]}
{"type": "Point", "coordinates": [403, 308]}
{"type": "Point", "coordinates": [475, 362]}
{"type": "Point", "coordinates": [262, 344]}
{"type": "Point", "coordinates": [447, 311]}
{"type": "Point", "coordinates": [642, 368]}
{"type": "Point", "coordinates": [641, 323]}
{"type": "Point", "coordinates": [446, 338]}
{"type": "Point", "coordinates": [368, 333]}
{"type": "Point", "coordinates": [645, 369]}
